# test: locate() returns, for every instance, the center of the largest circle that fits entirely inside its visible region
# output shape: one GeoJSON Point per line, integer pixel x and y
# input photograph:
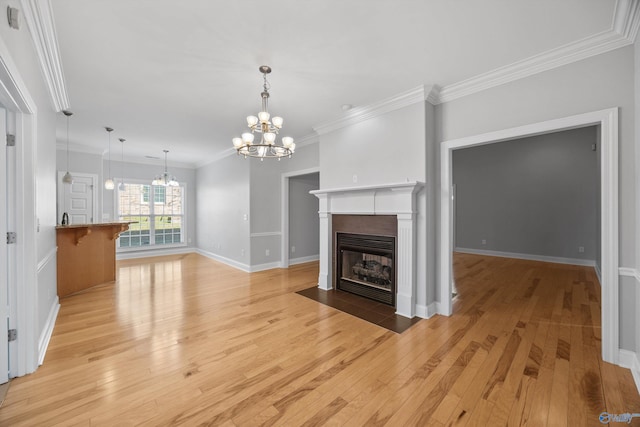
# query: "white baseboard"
{"type": "Point", "coordinates": [266, 266]}
{"type": "Point", "coordinates": [630, 360]}
{"type": "Point", "coordinates": [530, 257]}
{"type": "Point", "coordinates": [596, 267]}
{"type": "Point", "coordinates": [426, 311]}
{"type": "Point", "coordinates": [154, 252]}
{"type": "Point", "coordinates": [302, 260]}
{"type": "Point", "coordinates": [231, 263]}
{"type": "Point", "coordinates": [45, 336]}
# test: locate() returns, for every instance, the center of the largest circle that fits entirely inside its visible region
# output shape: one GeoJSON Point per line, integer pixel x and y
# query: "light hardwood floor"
{"type": "Point", "coordinates": [185, 340]}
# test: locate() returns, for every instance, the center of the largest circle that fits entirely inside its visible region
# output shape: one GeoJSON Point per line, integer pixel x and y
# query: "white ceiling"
{"type": "Point", "coordinates": [183, 75]}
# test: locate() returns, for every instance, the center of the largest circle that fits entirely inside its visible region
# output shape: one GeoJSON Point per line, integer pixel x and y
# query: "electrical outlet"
{"type": "Point", "coordinates": [293, 249]}
{"type": "Point", "coordinates": [581, 249]}
{"type": "Point", "coordinates": [484, 241]}
{"type": "Point", "coordinates": [267, 252]}
{"type": "Point", "coordinates": [242, 252]}
{"type": "Point", "coordinates": [355, 178]}
{"type": "Point", "coordinates": [245, 217]}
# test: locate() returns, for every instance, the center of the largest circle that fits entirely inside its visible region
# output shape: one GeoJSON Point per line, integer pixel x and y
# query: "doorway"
{"type": "Point", "coordinates": [304, 227]}
{"type": "Point", "coordinates": [607, 120]}
{"type": "Point", "coordinates": [79, 199]}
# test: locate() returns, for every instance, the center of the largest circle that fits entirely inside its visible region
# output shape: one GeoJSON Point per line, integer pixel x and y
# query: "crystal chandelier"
{"type": "Point", "coordinates": [267, 146]}
{"type": "Point", "coordinates": [165, 179]}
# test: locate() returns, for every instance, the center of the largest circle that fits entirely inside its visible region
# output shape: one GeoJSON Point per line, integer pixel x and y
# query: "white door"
{"type": "Point", "coordinates": [6, 270]}
{"type": "Point", "coordinates": [78, 199]}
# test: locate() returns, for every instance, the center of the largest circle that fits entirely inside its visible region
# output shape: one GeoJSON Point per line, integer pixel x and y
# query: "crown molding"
{"type": "Point", "coordinates": [624, 29]}
{"type": "Point", "coordinates": [358, 114]}
{"type": "Point", "coordinates": [626, 20]}
{"type": "Point", "coordinates": [80, 148]}
{"type": "Point", "coordinates": [39, 17]}
{"type": "Point", "coordinates": [307, 140]}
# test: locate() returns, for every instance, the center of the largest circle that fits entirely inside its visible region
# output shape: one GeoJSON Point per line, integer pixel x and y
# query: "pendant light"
{"type": "Point", "coordinates": [67, 178]}
{"type": "Point", "coordinates": [164, 178]}
{"type": "Point", "coordinates": [108, 183]}
{"type": "Point", "coordinates": [121, 186]}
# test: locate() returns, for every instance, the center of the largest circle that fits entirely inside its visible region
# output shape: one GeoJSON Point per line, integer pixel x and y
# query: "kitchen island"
{"type": "Point", "coordinates": [86, 255]}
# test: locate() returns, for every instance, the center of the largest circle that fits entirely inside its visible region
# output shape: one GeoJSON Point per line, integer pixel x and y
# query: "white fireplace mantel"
{"type": "Point", "coordinates": [386, 199]}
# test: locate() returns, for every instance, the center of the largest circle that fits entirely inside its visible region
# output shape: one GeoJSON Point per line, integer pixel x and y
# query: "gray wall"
{"type": "Point", "coordinates": [265, 208]}
{"type": "Point", "coordinates": [628, 312]}
{"type": "Point", "coordinates": [596, 83]}
{"type": "Point", "coordinates": [266, 202]}
{"type": "Point", "coordinates": [304, 222]}
{"type": "Point", "coordinates": [222, 194]}
{"type": "Point", "coordinates": [534, 196]}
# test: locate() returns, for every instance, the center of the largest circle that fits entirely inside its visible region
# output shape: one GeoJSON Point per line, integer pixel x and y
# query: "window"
{"type": "Point", "coordinates": [159, 194]}
{"type": "Point", "coordinates": [157, 223]}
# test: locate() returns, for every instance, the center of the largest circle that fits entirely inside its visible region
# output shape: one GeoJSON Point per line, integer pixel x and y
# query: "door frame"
{"type": "Point", "coordinates": [15, 97]}
{"type": "Point", "coordinates": [284, 216]}
{"type": "Point", "coordinates": [94, 201]}
{"type": "Point", "coordinates": [608, 121]}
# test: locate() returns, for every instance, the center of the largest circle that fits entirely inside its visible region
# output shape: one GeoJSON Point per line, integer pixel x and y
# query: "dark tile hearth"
{"type": "Point", "coordinates": [374, 312]}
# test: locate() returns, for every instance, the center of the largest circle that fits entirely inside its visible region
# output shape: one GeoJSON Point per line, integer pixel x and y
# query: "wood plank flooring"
{"type": "Point", "coordinates": [185, 340]}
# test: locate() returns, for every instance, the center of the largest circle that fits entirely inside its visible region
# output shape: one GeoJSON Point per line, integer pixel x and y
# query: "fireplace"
{"type": "Point", "coordinates": [397, 202]}
{"type": "Point", "coordinates": [366, 266]}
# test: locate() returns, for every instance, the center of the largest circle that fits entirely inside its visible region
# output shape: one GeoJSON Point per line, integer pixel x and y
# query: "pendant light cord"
{"type": "Point", "coordinates": [67, 143]}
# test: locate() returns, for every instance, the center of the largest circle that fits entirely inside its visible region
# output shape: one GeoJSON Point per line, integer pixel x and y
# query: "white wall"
{"type": "Point", "coordinates": [385, 149]}
{"type": "Point", "coordinates": [22, 53]}
{"type": "Point", "coordinates": [637, 164]}
{"type": "Point", "coordinates": [596, 83]}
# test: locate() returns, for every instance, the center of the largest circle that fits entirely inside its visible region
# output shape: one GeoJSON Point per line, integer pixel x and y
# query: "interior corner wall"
{"type": "Point", "coordinates": [222, 203]}
{"type": "Point", "coordinates": [533, 196]}
{"type": "Point", "coordinates": [592, 84]}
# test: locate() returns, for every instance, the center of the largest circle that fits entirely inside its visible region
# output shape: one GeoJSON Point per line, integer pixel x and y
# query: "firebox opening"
{"type": "Point", "coordinates": [366, 266]}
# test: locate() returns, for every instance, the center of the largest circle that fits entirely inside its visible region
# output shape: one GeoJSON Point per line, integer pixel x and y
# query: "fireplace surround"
{"type": "Point", "coordinates": [391, 200]}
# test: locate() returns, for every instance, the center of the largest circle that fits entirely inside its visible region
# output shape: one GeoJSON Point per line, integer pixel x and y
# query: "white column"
{"type": "Point", "coordinates": [406, 265]}
{"type": "Point", "coordinates": [325, 280]}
